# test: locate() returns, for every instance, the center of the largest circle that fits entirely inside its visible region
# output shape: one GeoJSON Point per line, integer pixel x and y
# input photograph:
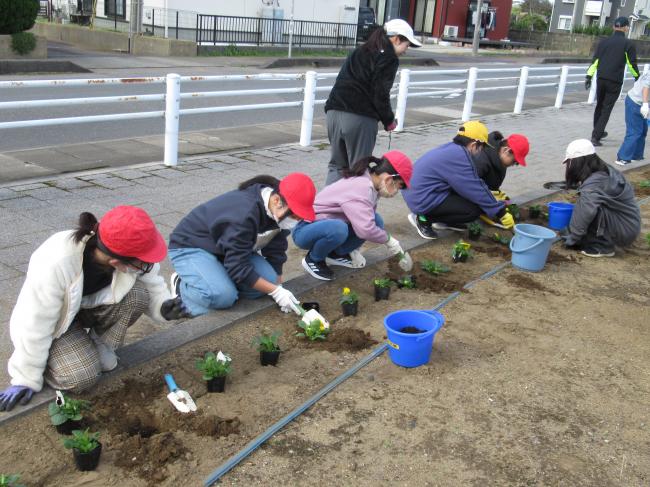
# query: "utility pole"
{"type": "Point", "coordinates": [291, 29]}
{"type": "Point", "coordinates": [477, 28]}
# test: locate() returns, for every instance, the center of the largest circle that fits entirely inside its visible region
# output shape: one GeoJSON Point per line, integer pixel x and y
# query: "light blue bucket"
{"type": "Point", "coordinates": [559, 214]}
{"type": "Point", "coordinates": [411, 349]}
{"type": "Point", "coordinates": [530, 246]}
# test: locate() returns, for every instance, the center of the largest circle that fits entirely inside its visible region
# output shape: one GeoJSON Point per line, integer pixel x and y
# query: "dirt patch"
{"type": "Point", "coordinates": [148, 457]}
{"type": "Point", "coordinates": [523, 281]}
{"type": "Point", "coordinates": [493, 250]}
{"type": "Point", "coordinates": [640, 191]}
{"type": "Point", "coordinates": [555, 257]}
{"type": "Point", "coordinates": [347, 339]}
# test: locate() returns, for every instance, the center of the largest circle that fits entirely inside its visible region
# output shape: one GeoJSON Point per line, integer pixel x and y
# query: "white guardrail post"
{"type": "Point", "coordinates": [592, 92]}
{"type": "Point", "coordinates": [402, 95]}
{"type": "Point", "coordinates": [172, 108]}
{"type": "Point", "coordinates": [469, 94]}
{"type": "Point", "coordinates": [521, 90]}
{"type": "Point", "coordinates": [308, 108]}
{"type": "Point", "coordinates": [561, 86]}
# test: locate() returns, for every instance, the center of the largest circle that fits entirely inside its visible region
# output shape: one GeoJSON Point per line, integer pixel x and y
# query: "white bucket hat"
{"type": "Point", "coordinates": [399, 27]}
{"type": "Point", "coordinates": [579, 148]}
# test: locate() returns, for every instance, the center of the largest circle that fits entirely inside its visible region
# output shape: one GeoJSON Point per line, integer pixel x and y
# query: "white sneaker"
{"type": "Point", "coordinates": [107, 356]}
{"type": "Point", "coordinates": [459, 227]}
{"type": "Point", "coordinates": [175, 282]}
{"type": "Point", "coordinates": [353, 260]}
{"type": "Point", "coordinates": [621, 162]}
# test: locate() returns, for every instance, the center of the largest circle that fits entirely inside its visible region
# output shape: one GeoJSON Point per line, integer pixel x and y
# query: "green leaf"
{"type": "Point", "coordinates": [53, 408]}
{"type": "Point", "coordinates": [58, 418]}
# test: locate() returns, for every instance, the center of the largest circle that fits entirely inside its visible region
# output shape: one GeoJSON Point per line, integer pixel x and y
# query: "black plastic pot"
{"type": "Point", "coordinates": [474, 235]}
{"type": "Point", "coordinates": [534, 213]}
{"type": "Point", "coordinates": [216, 384]}
{"type": "Point", "coordinates": [307, 305]}
{"type": "Point", "coordinates": [87, 461]}
{"type": "Point", "coordinates": [350, 309]}
{"type": "Point", "coordinates": [69, 426]}
{"type": "Point", "coordinates": [459, 258]}
{"type": "Point", "coordinates": [381, 293]}
{"type": "Point", "coordinates": [269, 358]}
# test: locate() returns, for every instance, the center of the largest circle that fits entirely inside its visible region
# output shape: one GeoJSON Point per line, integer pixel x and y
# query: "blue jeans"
{"type": "Point", "coordinates": [205, 283]}
{"type": "Point", "coordinates": [636, 128]}
{"type": "Point", "coordinates": [324, 236]}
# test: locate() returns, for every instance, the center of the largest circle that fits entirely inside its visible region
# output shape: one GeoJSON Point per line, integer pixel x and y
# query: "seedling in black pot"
{"type": "Point", "coordinates": [534, 211]}
{"type": "Point", "coordinates": [474, 231]}
{"type": "Point", "coordinates": [407, 282]}
{"type": "Point", "coordinates": [86, 449]}
{"type": "Point", "coordinates": [460, 251]}
{"type": "Point", "coordinates": [66, 413]}
{"type": "Point", "coordinates": [434, 268]}
{"type": "Point", "coordinates": [268, 347]}
{"type": "Point", "coordinates": [382, 288]}
{"type": "Point", "coordinates": [349, 302]}
{"type": "Point", "coordinates": [215, 368]}
{"type": "Point", "coordinates": [498, 238]}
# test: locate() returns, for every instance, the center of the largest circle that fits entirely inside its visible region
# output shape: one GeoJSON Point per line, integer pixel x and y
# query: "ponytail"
{"type": "Point", "coordinates": [377, 40]}
{"type": "Point", "coordinates": [372, 164]}
{"type": "Point", "coordinates": [87, 225]}
{"type": "Point", "coordinates": [261, 179]}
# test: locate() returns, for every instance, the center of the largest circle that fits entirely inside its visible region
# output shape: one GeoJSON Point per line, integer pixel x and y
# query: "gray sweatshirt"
{"type": "Point", "coordinates": [609, 198]}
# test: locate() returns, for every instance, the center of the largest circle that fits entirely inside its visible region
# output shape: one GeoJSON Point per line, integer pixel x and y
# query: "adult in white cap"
{"type": "Point", "coordinates": [606, 214]}
{"type": "Point", "coordinates": [361, 96]}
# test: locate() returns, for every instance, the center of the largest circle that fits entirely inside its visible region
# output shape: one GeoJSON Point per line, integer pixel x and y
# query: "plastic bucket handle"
{"type": "Point", "coordinates": [539, 242]}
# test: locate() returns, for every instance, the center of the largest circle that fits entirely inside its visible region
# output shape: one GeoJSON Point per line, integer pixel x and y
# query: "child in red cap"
{"type": "Point", "coordinates": [346, 215]}
{"type": "Point", "coordinates": [84, 288]}
{"type": "Point", "coordinates": [235, 245]}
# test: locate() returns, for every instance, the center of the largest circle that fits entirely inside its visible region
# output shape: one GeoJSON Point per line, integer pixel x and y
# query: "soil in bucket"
{"type": "Point", "coordinates": [411, 329]}
{"type": "Point", "coordinates": [411, 349]}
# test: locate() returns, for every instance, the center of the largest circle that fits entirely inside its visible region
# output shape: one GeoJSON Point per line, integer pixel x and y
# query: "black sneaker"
{"type": "Point", "coordinates": [319, 270]}
{"type": "Point", "coordinates": [456, 227]}
{"type": "Point", "coordinates": [596, 253]}
{"type": "Point", "coordinates": [423, 228]}
{"type": "Point", "coordinates": [605, 134]}
{"type": "Point", "coordinates": [175, 281]}
{"type": "Point", "coordinates": [596, 142]}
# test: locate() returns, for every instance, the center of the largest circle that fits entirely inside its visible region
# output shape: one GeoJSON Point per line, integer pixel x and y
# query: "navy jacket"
{"type": "Point", "coordinates": [442, 170]}
{"type": "Point", "coordinates": [227, 226]}
{"type": "Point", "coordinates": [488, 163]}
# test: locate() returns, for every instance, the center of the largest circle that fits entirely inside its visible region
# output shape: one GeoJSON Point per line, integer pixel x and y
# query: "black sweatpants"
{"type": "Point", "coordinates": [454, 210]}
{"type": "Point", "coordinates": [607, 92]}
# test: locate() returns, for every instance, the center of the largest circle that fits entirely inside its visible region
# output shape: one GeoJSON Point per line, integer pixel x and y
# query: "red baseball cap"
{"type": "Point", "coordinates": [519, 145]}
{"type": "Point", "coordinates": [299, 192]}
{"type": "Point", "coordinates": [128, 231]}
{"type": "Point", "coordinates": [402, 164]}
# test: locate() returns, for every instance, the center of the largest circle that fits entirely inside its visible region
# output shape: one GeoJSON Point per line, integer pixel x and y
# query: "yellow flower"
{"type": "Point", "coordinates": [322, 326]}
{"type": "Point", "coordinates": [346, 290]}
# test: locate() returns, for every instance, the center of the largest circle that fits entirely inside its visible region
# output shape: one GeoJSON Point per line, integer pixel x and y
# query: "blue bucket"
{"type": "Point", "coordinates": [411, 349]}
{"type": "Point", "coordinates": [559, 215]}
{"type": "Point", "coordinates": [530, 246]}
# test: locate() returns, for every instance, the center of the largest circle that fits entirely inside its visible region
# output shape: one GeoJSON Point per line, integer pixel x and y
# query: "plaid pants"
{"type": "Point", "coordinates": [73, 363]}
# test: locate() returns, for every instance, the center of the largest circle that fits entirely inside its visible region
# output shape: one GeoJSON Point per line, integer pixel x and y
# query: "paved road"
{"type": "Point", "coordinates": [446, 106]}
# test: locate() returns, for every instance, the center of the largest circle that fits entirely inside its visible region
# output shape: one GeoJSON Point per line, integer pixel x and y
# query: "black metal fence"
{"type": "Point", "coordinates": [258, 31]}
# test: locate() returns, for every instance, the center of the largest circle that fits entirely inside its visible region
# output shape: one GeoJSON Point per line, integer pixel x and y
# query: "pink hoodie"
{"type": "Point", "coordinates": [353, 200]}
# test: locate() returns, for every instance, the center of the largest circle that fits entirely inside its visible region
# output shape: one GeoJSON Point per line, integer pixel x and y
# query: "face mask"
{"type": "Point", "coordinates": [131, 270]}
{"type": "Point", "coordinates": [288, 224]}
{"type": "Point", "coordinates": [384, 193]}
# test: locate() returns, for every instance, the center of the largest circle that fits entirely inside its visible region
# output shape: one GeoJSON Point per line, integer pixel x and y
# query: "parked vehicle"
{"type": "Point", "coordinates": [366, 23]}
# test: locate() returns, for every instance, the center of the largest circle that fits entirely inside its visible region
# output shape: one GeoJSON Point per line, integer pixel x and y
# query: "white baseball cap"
{"type": "Point", "coordinates": [399, 27]}
{"type": "Point", "coordinates": [579, 148]}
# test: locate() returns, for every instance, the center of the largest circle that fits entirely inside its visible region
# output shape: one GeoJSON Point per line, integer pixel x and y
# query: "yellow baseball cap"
{"type": "Point", "coordinates": [474, 130]}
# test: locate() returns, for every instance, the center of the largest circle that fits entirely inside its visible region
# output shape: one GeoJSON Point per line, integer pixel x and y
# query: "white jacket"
{"type": "Point", "coordinates": [52, 296]}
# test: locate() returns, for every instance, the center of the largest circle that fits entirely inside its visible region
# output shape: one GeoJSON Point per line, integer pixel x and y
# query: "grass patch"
{"type": "Point", "coordinates": [245, 51]}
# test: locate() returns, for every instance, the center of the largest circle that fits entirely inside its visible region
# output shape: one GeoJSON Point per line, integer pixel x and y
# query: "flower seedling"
{"type": "Point", "coordinates": [314, 330]}
{"type": "Point", "coordinates": [460, 251]}
{"type": "Point", "coordinates": [498, 238]}
{"type": "Point", "coordinates": [267, 342]}
{"type": "Point", "coordinates": [67, 409]}
{"type": "Point", "coordinates": [381, 282]}
{"type": "Point", "coordinates": [534, 211]}
{"type": "Point", "coordinates": [434, 268]}
{"type": "Point", "coordinates": [474, 230]}
{"type": "Point", "coordinates": [214, 365]}
{"type": "Point", "coordinates": [82, 440]}
{"type": "Point", "coordinates": [10, 481]}
{"type": "Point", "coordinates": [348, 296]}
{"type": "Point", "coordinates": [406, 283]}
{"type": "Point", "coordinates": [513, 209]}
{"type": "Point", "coordinates": [645, 184]}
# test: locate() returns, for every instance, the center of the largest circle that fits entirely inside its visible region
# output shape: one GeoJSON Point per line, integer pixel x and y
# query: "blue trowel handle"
{"type": "Point", "coordinates": [171, 383]}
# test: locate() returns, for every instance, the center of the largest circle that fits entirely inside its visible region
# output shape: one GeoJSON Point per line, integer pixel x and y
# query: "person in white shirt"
{"type": "Point", "coordinates": [636, 123]}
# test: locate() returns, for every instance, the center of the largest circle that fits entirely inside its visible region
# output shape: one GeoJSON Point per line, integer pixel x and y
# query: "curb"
{"type": "Point", "coordinates": [22, 66]}
{"type": "Point", "coordinates": [325, 62]}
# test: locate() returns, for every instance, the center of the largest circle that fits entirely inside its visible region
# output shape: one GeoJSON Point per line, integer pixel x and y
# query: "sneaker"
{"type": "Point", "coordinates": [107, 356]}
{"type": "Point", "coordinates": [175, 282]}
{"type": "Point", "coordinates": [456, 227]}
{"type": "Point", "coordinates": [596, 142]}
{"type": "Point", "coordinates": [319, 270]}
{"type": "Point", "coordinates": [597, 253]}
{"type": "Point", "coordinates": [348, 260]}
{"type": "Point", "coordinates": [605, 134]}
{"type": "Point", "coordinates": [622, 162]}
{"type": "Point", "coordinates": [422, 227]}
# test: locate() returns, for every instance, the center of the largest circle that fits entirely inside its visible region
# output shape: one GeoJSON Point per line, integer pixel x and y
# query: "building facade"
{"type": "Point", "coordinates": [573, 13]}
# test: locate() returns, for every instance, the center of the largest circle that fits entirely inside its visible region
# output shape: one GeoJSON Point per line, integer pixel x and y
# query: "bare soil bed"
{"type": "Point", "coordinates": [535, 379]}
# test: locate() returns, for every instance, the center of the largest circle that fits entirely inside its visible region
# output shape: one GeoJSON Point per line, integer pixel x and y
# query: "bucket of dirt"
{"type": "Point", "coordinates": [410, 336]}
{"type": "Point", "coordinates": [530, 246]}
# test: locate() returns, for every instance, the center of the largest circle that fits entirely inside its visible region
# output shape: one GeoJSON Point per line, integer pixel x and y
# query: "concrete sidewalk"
{"type": "Point", "coordinates": [30, 213]}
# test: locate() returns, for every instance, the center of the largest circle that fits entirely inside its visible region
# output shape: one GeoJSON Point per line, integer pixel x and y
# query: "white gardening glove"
{"type": "Point", "coordinates": [285, 300]}
{"type": "Point", "coordinates": [645, 110]}
{"type": "Point", "coordinates": [394, 248]}
{"type": "Point", "coordinates": [358, 260]}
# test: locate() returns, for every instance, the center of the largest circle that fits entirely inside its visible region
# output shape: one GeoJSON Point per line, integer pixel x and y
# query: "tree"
{"type": "Point", "coordinates": [539, 7]}
{"type": "Point", "coordinates": [17, 15]}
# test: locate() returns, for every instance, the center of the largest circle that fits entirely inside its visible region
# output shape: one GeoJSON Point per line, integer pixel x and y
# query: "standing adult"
{"type": "Point", "coordinates": [637, 111]}
{"type": "Point", "coordinates": [84, 288]}
{"type": "Point", "coordinates": [611, 57]}
{"type": "Point", "coordinates": [361, 96]}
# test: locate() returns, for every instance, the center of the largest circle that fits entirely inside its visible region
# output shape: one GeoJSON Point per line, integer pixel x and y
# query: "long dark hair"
{"type": "Point", "coordinates": [87, 225]}
{"type": "Point", "coordinates": [497, 140]}
{"type": "Point", "coordinates": [265, 180]}
{"type": "Point", "coordinates": [580, 168]}
{"type": "Point", "coordinates": [374, 165]}
{"type": "Point", "coordinates": [376, 40]}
